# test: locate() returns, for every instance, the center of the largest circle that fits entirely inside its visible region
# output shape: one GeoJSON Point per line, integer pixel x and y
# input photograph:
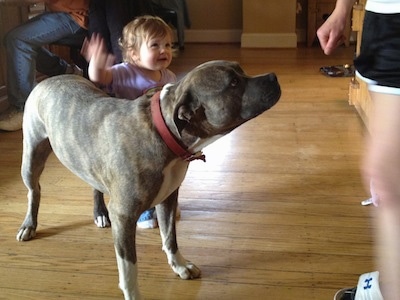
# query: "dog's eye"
{"type": "Point", "coordinates": [234, 82]}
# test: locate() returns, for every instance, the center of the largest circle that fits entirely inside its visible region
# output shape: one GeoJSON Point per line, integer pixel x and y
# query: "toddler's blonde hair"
{"type": "Point", "coordinates": [140, 30]}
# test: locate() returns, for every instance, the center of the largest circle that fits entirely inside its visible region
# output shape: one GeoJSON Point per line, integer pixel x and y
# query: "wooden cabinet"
{"type": "Point", "coordinates": [358, 91]}
{"type": "Point", "coordinates": [318, 12]}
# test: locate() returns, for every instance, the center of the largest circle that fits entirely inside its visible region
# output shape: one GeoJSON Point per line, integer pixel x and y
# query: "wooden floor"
{"type": "Point", "coordinates": [274, 213]}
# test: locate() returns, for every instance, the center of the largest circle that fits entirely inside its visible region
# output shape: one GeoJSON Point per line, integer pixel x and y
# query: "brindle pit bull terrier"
{"type": "Point", "coordinates": [136, 151]}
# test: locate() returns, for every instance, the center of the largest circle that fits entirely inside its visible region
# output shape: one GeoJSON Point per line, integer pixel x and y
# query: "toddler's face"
{"type": "Point", "coordinates": [156, 53]}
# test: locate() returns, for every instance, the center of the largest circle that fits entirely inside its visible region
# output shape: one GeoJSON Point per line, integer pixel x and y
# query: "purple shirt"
{"type": "Point", "coordinates": [130, 82]}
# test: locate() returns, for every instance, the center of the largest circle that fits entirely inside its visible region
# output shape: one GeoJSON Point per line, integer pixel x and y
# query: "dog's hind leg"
{"type": "Point", "coordinates": [166, 216]}
{"type": "Point", "coordinates": [100, 211]}
{"type": "Point", "coordinates": [34, 157]}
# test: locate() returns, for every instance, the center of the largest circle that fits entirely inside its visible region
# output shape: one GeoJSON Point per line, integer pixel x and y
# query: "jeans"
{"type": "Point", "coordinates": [26, 54]}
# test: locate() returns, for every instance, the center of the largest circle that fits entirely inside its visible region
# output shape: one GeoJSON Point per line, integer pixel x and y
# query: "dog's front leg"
{"type": "Point", "coordinates": [166, 215]}
{"type": "Point", "coordinates": [127, 271]}
{"type": "Point", "coordinates": [124, 234]}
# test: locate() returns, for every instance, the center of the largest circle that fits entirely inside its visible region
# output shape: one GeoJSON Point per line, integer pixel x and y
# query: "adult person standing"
{"type": "Point", "coordinates": [379, 65]}
{"type": "Point", "coordinates": [26, 52]}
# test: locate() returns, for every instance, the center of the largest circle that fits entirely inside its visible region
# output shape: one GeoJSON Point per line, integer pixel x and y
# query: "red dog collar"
{"type": "Point", "coordinates": [169, 139]}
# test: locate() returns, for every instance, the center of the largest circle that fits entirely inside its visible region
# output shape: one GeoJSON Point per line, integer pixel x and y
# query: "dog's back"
{"type": "Point", "coordinates": [59, 110]}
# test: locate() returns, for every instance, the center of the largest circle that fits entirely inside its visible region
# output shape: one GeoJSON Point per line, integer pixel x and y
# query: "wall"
{"type": "Point", "coordinates": [269, 24]}
{"type": "Point", "coordinates": [214, 21]}
{"type": "Point", "coordinates": [254, 23]}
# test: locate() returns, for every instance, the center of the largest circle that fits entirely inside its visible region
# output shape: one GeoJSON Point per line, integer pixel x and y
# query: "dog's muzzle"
{"type": "Point", "coordinates": [261, 94]}
{"type": "Point", "coordinates": [275, 89]}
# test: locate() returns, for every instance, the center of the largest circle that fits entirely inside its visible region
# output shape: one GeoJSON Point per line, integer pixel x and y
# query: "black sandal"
{"type": "Point", "coordinates": [338, 71]}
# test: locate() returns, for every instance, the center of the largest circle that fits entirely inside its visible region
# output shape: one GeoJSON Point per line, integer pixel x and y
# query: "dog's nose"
{"type": "Point", "coordinates": [272, 77]}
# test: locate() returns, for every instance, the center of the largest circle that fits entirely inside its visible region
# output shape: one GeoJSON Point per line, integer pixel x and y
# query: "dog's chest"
{"type": "Point", "coordinates": [174, 173]}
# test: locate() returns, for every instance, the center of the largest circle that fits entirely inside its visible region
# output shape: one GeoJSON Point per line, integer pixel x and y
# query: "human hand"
{"type": "Point", "coordinates": [94, 47]}
{"type": "Point", "coordinates": [100, 61]}
{"type": "Point", "coordinates": [86, 51]}
{"type": "Point", "coordinates": [331, 33]}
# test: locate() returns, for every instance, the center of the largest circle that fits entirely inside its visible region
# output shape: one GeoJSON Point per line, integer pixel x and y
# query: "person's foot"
{"type": "Point", "coordinates": [11, 119]}
{"type": "Point", "coordinates": [147, 219]}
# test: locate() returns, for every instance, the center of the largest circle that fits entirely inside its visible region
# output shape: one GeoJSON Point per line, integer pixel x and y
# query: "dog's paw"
{"type": "Point", "coordinates": [183, 268]}
{"type": "Point", "coordinates": [187, 271]}
{"type": "Point", "coordinates": [26, 233]}
{"type": "Point", "coordinates": [102, 222]}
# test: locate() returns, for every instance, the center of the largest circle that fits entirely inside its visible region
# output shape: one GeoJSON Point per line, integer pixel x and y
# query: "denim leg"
{"type": "Point", "coordinates": [98, 21]}
{"type": "Point", "coordinates": [24, 46]}
{"type": "Point", "coordinates": [108, 19]}
{"type": "Point", "coordinates": [117, 18]}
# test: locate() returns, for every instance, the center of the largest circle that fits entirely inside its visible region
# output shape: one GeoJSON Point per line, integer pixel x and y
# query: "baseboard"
{"type": "Point", "coordinates": [213, 36]}
{"type": "Point", "coordinates": [269, 40]}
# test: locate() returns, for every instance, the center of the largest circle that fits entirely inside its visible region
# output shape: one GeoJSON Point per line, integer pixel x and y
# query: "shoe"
{"type": "Point", "coordinates": [367, 288]}
{"type": "Point", "coordinates": [147, 220]}
{"type": "Point", "coordinates": [11, 119]}
{"type": "Point", "coordinates": [74, 69]}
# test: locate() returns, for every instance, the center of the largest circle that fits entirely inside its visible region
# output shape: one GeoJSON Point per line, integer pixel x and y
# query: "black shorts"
{"type": "Point", "coordinates": [379, 59]}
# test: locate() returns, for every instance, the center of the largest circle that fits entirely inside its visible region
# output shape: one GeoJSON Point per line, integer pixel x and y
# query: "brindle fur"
{"type": "Point", "coordinates": [113, 145]}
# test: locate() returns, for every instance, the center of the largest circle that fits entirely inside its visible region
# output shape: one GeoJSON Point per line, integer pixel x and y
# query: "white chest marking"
{"type": "Point", "coordinates": [174, 173]}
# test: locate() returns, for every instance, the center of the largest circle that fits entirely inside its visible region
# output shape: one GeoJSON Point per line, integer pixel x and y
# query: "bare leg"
{"type": "Point", "coordinates": [382, 165]}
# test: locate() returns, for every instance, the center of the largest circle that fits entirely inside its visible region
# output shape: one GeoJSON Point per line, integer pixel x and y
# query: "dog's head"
{"type": "Point", "coordinates": [216, 97]}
